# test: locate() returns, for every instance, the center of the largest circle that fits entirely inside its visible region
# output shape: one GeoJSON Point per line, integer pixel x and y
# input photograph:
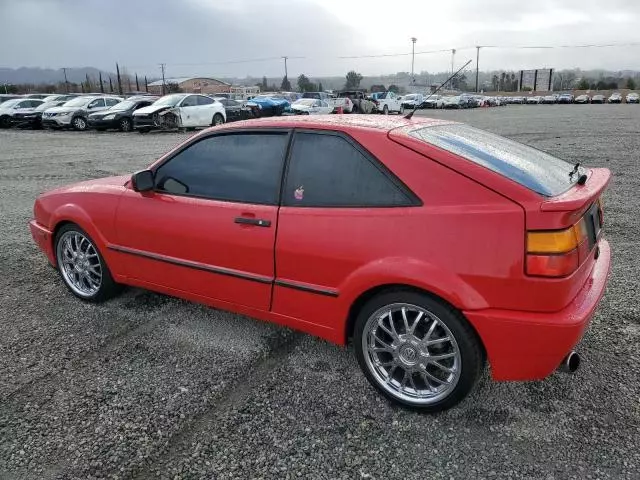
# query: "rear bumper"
{"type": "Point", "coordinates": [44, 240]}
{"type": "Point", "coordinates": [530, 345]}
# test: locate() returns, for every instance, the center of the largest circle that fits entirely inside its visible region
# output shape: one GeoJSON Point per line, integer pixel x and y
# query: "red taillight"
{"type": "Point", "coordinates": [559, 265]}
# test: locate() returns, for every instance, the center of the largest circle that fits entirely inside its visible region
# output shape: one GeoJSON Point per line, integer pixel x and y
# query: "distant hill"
{"type": "Point", "coordinates": [39, 76]}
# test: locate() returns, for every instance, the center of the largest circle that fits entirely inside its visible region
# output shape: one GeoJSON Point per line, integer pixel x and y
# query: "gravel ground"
{"type": "Point", "coordinates": [147, 386]}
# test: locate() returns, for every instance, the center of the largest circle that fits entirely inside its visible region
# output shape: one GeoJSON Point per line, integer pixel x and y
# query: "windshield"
{"type": "Point", "coordinates": [411, 97]}
{"type": "Point", "coordinates": [10, 103]}
{"type": "Point", "coordinates": [310, 102]}
{"type": "Point", "coordinates": [532, 168]}
{"type": "Point", "coordinates": [311, 95]}
{"type": "Point", "coordinates": [126, 105]}
{"type": "Point", "coordinates": [168, 101]}
{"type": "Point", "coordinates": [78, 102]}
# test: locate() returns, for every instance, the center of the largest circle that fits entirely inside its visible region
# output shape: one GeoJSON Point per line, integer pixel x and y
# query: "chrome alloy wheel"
{"type": "Point", "coordinates": [79, 263]}
{"type": "Point", "coordinates": [411, 353]}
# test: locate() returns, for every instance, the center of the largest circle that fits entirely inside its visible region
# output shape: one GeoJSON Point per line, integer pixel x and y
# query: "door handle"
{"type": "Point", "coordinates": [253, 221]}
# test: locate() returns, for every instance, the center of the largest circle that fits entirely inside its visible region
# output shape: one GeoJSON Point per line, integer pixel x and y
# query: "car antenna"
{"type": "Point", "coordinates": [410, 114]}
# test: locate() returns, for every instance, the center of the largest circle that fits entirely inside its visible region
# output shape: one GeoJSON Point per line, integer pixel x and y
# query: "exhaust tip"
{"type": "Point", "coordinates": [571, 363]}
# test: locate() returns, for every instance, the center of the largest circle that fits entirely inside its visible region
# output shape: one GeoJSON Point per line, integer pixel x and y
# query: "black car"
{"type": "Point", "coordinates": [235, 110]}
{"type": "Point", "coordinates": [120, 116]}
{"type": "Point", "coordinates": [34, 119]}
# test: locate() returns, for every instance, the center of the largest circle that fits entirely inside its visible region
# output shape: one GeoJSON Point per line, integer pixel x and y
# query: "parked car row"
{"type": "Point", "coordinates": [569, 98]}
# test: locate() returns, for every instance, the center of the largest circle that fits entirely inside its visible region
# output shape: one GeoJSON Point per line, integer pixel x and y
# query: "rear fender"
{"type": "Point", "coordinates": [415, 273]}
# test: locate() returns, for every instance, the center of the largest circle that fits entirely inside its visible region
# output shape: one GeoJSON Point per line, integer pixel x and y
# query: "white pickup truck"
{"type": "Point", "coordinates": [387, 102]}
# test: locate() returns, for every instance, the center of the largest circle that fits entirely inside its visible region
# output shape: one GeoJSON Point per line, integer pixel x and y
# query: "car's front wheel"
{"type": "Point", "coordinates": [125, 125]}
{"type": "Point", "coordinates": [82, 267]}
{"type": "Point", "coordinates": [417, 351]}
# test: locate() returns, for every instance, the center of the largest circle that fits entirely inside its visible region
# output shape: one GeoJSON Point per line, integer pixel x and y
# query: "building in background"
{"type": "Point", "coordinates": [191, 85]}
{"type": "Point", "coordinates": [539, 80]}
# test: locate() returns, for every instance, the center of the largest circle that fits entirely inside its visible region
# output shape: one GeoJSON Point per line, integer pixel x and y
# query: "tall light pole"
{"type": "Point", "coordinates": [285, 67]}
{"type": "Point", "coordinates": [453, 55]}
{"type": "Point", "coordinates": [413, 55]}
{"type": "Point", "coordinates": [477, 66]}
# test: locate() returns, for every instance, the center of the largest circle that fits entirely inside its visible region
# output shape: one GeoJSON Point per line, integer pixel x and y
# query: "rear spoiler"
{"type": "Point", "coordinates": [580, 196]}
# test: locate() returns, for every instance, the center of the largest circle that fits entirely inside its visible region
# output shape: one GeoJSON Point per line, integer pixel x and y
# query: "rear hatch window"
{"type": "Point", "coordinates": [532, 168]}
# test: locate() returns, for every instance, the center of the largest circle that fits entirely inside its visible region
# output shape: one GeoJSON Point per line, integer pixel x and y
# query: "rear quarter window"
{"type": "Point", "coordinates": [531, 168]}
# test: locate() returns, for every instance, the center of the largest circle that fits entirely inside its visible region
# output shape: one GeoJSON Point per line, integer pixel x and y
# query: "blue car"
{"type": "Point", "coordinates": [269, 105]}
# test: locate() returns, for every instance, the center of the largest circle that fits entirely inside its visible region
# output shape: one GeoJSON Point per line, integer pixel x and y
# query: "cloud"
{"type": "Point", "coordinates": [219, 38]}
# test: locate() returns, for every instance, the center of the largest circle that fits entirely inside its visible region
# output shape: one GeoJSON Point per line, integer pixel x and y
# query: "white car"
{"type": "Point", "coordinates": [534, 100]}
{"type": "Point", "coordinates": [11, 109]}
{"type": "Point", "coordinates": [311, 106]}
{"type": "Point", "coordinates": [633, 98]}
{"type": "Point", "coordinates": [615, 98]}
{"type": "Point", "coordinates": [412, 100]}
{"type": "Point", "coordinates": [433, 101]}
{"type": "Point", "coordinates": [74, 113]}
{"type": "Point", "coordinates": [388, 102]}
{"type": "Point", "coordinates": [180, 110]}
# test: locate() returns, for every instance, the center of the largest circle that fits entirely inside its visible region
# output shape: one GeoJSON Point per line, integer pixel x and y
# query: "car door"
{"type": "Point", "coordinates": [208, 228]}
{"type": "Point", "coordinates": [335, 198]}
{"type": "Point", "coordinates": [205, 110]}
{"type": "Point", "coordinates": [189, 111]}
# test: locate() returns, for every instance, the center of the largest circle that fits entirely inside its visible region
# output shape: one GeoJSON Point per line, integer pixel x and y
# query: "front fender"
{"type": "Point", "coordinates": [415, 273]}
{"type": "Point", "coordinates": [75, 214]}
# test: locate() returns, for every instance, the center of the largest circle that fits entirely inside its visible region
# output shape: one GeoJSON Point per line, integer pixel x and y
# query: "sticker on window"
{"type": "Point", "coordinates": [299, 193]}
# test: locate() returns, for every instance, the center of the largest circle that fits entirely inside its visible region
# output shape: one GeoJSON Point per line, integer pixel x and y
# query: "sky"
{"type": "Point", "coordinates": [236, 38]}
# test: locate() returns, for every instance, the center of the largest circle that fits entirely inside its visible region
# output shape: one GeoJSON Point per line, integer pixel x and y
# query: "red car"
{"type": "Point", "coordinates": [432, 244]}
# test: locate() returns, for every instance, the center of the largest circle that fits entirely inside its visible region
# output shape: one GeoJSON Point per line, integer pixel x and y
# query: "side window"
{"type": "Point", "coordinates": [98, 102]}
{"type": "Point", "coordinates": [244, 168]}
{"type": "Point", "coordinates": [142, 105]}
{"type": "Point", "coordinates": [329, 171]}
{"type": "Point", "coordinates": [24, 104]}
{"type": "Point", "coordinates": [111, 102]}
{"type": "Point", "coordinates": [190, 101]}
{"type": "Point", "coordinates": [202, 100]}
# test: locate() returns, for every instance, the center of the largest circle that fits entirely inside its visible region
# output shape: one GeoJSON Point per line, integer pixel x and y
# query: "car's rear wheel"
{"type": "Point", "coordinates": [417, 351]}
{"type": "Point", "coordinates": [125, 125]}
{"type": "Point", "coordinates": [79, 123]}
{"type": "Point", "coordinates": [82, 267]}
{"type": "Point", "coordinates": [217, 120]}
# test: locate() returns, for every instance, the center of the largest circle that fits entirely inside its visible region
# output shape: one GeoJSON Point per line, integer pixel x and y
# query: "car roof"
{"type": "Point", "coordinates": [339, 122]}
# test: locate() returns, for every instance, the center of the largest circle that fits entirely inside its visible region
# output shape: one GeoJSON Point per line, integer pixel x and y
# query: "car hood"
{"type": "Point", "coordinates": [150, 109]}
{"type": "Point", "coordinates": [97, 185]}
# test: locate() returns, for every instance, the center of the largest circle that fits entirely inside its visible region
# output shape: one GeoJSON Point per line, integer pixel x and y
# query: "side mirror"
{"type": "Point", "coordinates": [142, 181]}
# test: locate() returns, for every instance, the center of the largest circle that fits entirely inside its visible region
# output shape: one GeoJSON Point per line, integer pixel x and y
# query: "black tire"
{"type": "Point", "coordinates": [108, 287]}
{"type": "Point", "coordinates": [125, 125]}
{"type": "Point", "coordinates": [217, 119]}
{"type": "Point", "coordinates": [5, 121]}
{"type": "Point", "coordinates": [79, 123]}
{"type": "Point", "coordinates": [469, 346]}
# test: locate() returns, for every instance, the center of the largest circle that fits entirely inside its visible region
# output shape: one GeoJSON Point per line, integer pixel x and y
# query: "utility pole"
{"type": "Point", "coordinates": [119, 80]}
{"type": "Point", "coordinates": [146, 84]}
{"type": "Point", "coordinates": [101, 85]}
{"type": "Point", "coordinates": [162, 65]}
{"type": "Point", "coordinates": [413, 56]}
{"type": "Point", "coordinates": [285, 67]}
{"type": "Point", "coordinates": [477, 66]}
{"type": "Point", "coordinates": [137, 84]}
{"type": "Point", "coordinates": [66, 82]}
{"type": "Point", "coordinates": [453, 56]}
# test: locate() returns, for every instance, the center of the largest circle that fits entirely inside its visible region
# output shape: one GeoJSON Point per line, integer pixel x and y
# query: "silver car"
{"type": "Point", "coordinates": [74, 113]}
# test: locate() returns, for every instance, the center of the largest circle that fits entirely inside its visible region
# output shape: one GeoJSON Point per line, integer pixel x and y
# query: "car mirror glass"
{"type": "Point", "coordinates": [142, 181]}
{"type": "Point", "coordinates": [174, 186]}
